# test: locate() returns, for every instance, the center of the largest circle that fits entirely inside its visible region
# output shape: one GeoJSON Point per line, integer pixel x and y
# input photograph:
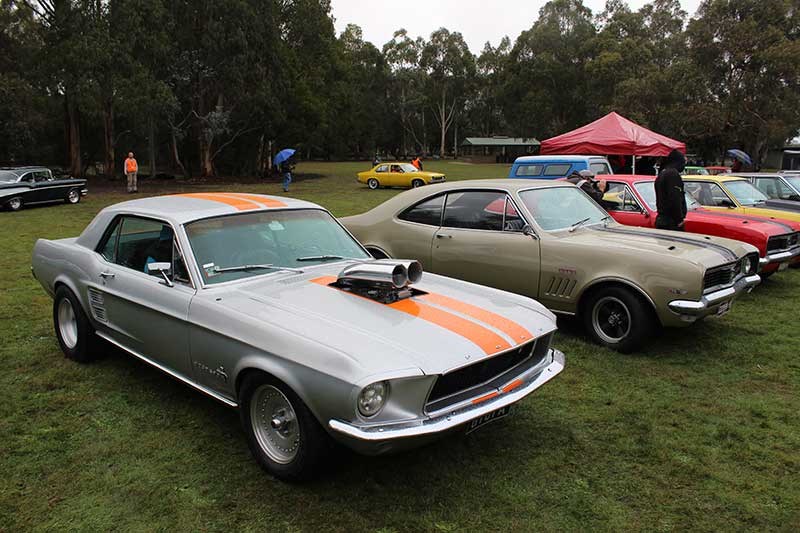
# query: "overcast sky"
{"type": "Point", "coordinates": [477, 20]}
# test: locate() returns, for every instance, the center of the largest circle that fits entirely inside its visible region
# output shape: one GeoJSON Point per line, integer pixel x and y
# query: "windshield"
{"type": "Point", "coordinates": [794, 181]}
{"type": "Point", "coordinates": [293, 239]}
{"type": "Point", "coordinates": [561, 207]}
{"type": "Point", "coordinates": [7, 177]}
{"type": "Point", "coordinates": [745, 192]}
{"type": "Point", "coordinates": [647, 190]}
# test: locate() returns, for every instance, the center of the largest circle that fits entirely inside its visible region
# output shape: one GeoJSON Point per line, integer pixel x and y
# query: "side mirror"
{"type": "Point", "coordinates": [160, 269]}
{"type": "Point", "coordinates": [528, 230]}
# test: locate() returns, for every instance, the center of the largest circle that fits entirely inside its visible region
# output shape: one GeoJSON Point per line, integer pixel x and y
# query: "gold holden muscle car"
{"type": "Point", "coordinates": [394, 174]}
{"type": "Point", "coordinates": [550, 241]}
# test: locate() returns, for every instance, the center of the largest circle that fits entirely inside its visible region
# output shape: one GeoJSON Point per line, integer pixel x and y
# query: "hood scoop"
{"type": "Point", "coordinates": [383, 280]}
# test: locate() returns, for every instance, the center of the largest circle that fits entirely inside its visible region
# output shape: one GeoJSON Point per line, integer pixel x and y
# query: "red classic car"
{"type": "Point", "coordinates": [631, 200]}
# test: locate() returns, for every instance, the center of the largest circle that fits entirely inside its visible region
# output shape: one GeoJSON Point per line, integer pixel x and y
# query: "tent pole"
{"type": "Point", "coordinates": [633, 164]}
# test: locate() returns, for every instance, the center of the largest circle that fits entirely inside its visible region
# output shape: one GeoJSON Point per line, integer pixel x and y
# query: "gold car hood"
{"type": "Point", "coordinates": [703, 250]}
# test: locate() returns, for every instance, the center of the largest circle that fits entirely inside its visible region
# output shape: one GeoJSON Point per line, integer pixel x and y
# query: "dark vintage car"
{"type": "Point", "coordinates": [36, 185]}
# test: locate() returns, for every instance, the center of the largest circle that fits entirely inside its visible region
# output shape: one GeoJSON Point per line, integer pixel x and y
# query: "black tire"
{"type": "Point", "coordinates": [312, 446]}
{"type": "Point", "coordinates": [417, 183]}
{"type": "Point", "coordinates": [73, 196]}
{"type": "Point", "coordinates": [14, 204]}
{"type": "Point", "coordinates": [373, 183]}
{"type": "Point", "coordinates": [618, 318]}
{"type": "Point", "coordinates": [83, 347]}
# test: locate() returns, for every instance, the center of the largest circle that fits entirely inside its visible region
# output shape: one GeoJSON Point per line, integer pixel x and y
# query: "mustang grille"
{"type": "Point", "coordinates": [783, 242]}
{"type": "Point", "coordinates": [487, 375]}
{"type": "Point", "coordinates": [97, 304]}
{"type": "Point", "coordinates": [721, 275]}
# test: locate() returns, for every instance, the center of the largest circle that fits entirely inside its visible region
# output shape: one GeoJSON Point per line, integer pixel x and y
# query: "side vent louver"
{"type": "Point", "coordinates": [560, 287]}
{"type": "Point", "coordinates": [97, 304]}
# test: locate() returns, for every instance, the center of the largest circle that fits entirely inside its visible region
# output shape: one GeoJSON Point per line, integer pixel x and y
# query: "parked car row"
{"type": "Point", "coordinates": [21, 186]}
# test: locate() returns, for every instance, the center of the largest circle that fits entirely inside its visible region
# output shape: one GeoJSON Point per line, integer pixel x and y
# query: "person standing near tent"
{"type": "Point", "coordinates": [670, 198]}
{"type": "Point", "coordinates": [131, 172]}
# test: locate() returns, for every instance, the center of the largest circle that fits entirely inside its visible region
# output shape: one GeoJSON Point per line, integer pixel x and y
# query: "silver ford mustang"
{"type": "Point", "coordinates": [268, 304]}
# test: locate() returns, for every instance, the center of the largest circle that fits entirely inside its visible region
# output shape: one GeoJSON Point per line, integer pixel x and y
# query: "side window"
{"type": "Point", "coordinates": [619, 198]}
{"type": "Point", "coordinates": [561, 169]}
{"type": "Point", "coordinates": [529, 170]}
{"type": "Point", "coordinates": [475, 210]}
{"type": "Point", "coordinates": [511, 219]}
{"type": "Point", "coordinates": [428, 212]}
{"type": "Point", "coordinates": [179, 272]}
{"type": "Point", "coordinates": [396, 168]}
{"type": "Point", "coordinates": [382, 168]}
{"type": "Point", "coordinates": [27, 178]}
{"type": "Point", "coordinates": [41, 175]}
{"type": "Point", "coordinates": [600, 168]}
{"type": "Point", "coordinates": [108, 248]}
{"type": "Point", "coordinates": [774, 188]}
{"type": "Point", "coordinates": [142, 241]}
{"type": "Point", "coordinates": [709, 194]}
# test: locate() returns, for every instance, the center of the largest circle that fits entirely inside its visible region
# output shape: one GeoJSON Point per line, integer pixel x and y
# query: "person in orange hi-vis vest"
{"type": "Point", "coordinates": [417, 162]}
{"type": "Point", "coordinates": [131, 171]}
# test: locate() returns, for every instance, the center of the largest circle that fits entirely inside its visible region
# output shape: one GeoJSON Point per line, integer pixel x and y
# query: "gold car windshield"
{"type": "Point", "coordinates": [239, 246]}
{"type": "Point", "coordinates": [560, 208]}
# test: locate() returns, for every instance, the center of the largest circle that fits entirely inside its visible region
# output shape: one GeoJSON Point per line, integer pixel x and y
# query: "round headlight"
{"type": "Point", "coordinates": [372, 398]}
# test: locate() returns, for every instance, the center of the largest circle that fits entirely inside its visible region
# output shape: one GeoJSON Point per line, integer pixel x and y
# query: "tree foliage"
{"type": "Point", "coordinates": [217, 86]}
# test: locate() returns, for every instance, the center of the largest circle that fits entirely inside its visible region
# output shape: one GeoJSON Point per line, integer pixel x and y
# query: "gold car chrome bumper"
{"type": "Point", "coordinates": [691, 310]}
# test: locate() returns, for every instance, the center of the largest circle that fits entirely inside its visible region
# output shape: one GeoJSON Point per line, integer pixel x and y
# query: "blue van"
{"type": "Point", "coordinates": [551, 167]}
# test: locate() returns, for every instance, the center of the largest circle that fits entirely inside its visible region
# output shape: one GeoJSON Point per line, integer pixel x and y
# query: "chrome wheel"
{"type": "Point", "coordinates": [73, 196]}
{"type": "Point", "coordinates": [417, 183]}
{"type": "Point", "coordinates": [372, 183]}
{"type": "Point", "coordinates": [275, 424]}
{"type": "Point", "coordinates": [611, 319]}
{"type": "Point", "coordinates": [15, 204]}
{"type": "Point", "coordinates": [67, 323]}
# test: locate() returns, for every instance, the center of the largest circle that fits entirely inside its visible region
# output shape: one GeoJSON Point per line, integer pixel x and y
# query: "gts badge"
{"type": "Point", "coordinates": [218, 373]}
{"type": "Point", "coordinates": [567, 271]}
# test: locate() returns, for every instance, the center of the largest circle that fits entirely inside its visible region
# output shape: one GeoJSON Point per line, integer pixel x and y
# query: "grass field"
{"type": "Point", "coordinates": [699, 432]}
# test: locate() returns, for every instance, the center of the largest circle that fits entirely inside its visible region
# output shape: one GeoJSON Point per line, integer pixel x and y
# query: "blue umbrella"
{"type": "Point", "coordinates": [741, 156]}
{"type": "Point", "coordinates": [283, 155]}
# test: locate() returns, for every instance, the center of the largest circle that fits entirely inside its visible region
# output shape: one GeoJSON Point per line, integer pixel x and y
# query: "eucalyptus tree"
{"type": "Point", "coordinates": [402, 55]}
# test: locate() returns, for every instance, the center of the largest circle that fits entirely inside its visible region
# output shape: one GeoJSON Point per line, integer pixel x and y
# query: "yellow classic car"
{"type": "Point", "coordinates": [734, 195]}
{"type": "Point", "coordinates": [395, 174]}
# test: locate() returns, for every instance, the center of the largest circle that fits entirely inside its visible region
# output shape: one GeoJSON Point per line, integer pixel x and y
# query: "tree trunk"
{"type": "Point", "coordinates": [73, 137]}
{"type": "Point", "coordinates": [455, 140]}
{"type": "Point", "coordinates": [108, 139]}
{"type": "Point", "coordinates": [151, 144]}
{"type": "Point", "coordinates": [176, 159]}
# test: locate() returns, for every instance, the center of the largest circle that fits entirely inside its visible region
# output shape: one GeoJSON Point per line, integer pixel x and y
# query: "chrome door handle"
{"type": "Point", "coordinates": [443, 236]}
{"type": "Point", "coordinates": [106, 275]}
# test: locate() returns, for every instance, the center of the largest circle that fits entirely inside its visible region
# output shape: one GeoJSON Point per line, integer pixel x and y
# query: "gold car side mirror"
{"type": "Point", "coordinates": [528, 230]}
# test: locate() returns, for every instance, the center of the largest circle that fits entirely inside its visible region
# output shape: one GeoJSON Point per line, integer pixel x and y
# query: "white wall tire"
{"type": "Point", "coordinates": [73, 196]}
{"type": "Point", "coordinates": [15, 204]}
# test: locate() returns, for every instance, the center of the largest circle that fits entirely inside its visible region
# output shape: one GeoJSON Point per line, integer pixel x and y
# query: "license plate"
{"type": "Point", "coordinates": [497, 414]}
{"type": "Point", "coordinates": [723, 308]}
{"type": "Point", "coordinates": [783, 266]}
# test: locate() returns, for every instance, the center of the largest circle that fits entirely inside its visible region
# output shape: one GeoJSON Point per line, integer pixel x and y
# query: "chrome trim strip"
{"type": "Point", "coordinates": [169, 372]}
{"type": "Point", "coordinates": [779, 257]}
{"type": "Point", "coordinates": [451, 419]}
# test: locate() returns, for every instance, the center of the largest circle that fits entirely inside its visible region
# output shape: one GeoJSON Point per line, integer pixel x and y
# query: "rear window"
{"type": "Point", "coordinates": [600, 168]}
{"type": "Point", "coordinates": [561, 169]}
{"type": "Point", "coordinates": [529, 170]}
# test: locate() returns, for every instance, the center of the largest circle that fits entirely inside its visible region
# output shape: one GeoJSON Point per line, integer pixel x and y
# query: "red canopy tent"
{"type": "Point", "coordinates": [612, 134]}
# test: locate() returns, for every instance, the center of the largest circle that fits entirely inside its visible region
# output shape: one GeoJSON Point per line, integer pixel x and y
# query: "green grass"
{"type": "Point", "coordinates": [699, 432]}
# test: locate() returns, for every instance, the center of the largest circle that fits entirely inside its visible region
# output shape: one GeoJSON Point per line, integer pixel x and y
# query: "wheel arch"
{"type": "Point", "coordinates": [611, 281]}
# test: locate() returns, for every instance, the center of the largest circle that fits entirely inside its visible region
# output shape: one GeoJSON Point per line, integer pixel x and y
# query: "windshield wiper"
{"type": "Point", "coordinates": [241, 268]}
{"type": "Point", "coordinates": [579, 223]}
{"type": "Point", "coordinates": [320, 258]}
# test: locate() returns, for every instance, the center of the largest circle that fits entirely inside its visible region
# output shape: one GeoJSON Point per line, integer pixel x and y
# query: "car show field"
{"type": "Point", "coordinates": [699, 430]}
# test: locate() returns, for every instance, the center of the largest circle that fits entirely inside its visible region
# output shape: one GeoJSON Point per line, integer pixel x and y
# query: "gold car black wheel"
{"type": "Point", "coordinates": [618, 317]}
{"type": "Point", "coordinates": [417, 183]}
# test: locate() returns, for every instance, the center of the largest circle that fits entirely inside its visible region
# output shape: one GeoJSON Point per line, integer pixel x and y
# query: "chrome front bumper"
{"type": "Point", "coordinates": [378, 439]}
{"type": "Point", "coordinates": [779, 257]}
{"type": "Point", "coordinates": [84, 192]}
{"type": "Point", "coordinates": [691, 310]}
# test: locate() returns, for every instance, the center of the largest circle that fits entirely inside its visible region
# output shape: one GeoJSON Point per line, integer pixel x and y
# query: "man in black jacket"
{"type": "Point", "coordinates": [670, 198]}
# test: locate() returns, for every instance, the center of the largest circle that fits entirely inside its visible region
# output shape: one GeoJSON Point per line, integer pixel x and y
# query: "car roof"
{"type": "Point", "coordinates": [628, 178]}
{"type": "Point", "coordinates": [565, 158]}
{"type": "Point", "coordinates": [188, 207]}
{"type": "Point", "coordinates": [754, 175]}
{"type": "Point", "coordinates": [717, 178]}
{"type": "Point", "coordinates": [501, 183]}
{"type": "Point", "coordinates": [19, 170]}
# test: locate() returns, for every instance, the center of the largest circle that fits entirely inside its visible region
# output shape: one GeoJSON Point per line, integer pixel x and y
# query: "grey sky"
{"type": "Point", "coordinates": [477, 20]}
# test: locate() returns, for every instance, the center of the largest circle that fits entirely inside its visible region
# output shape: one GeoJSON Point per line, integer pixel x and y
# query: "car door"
{"type": "Point", "coordinates": [142, 312]}
{"type": "Point", "coordinates": [710, 195]}
{"type": "Point", "coordinates": [414, 229]}
{"type": "Point", "coordinates": [48, 190]}
{"type": "Point", "coordinates": [395, 176]}
{"type": "Point", "coordinates": [622, 205]}
{"type": "Point", "coordinates": [481, 240]}
{"type": "Point", "coordinates": [32, 194]}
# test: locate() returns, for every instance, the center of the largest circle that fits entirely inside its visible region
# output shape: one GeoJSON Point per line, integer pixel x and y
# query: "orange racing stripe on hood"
{"type": "Point", "coordinates": [489, 341]}
{"type": "Point", "coordinates": [268, 202]}
{"type": "Point", "coordinates": [509, 327]}
{"type": "Point", "coordinates": [240, 204]}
